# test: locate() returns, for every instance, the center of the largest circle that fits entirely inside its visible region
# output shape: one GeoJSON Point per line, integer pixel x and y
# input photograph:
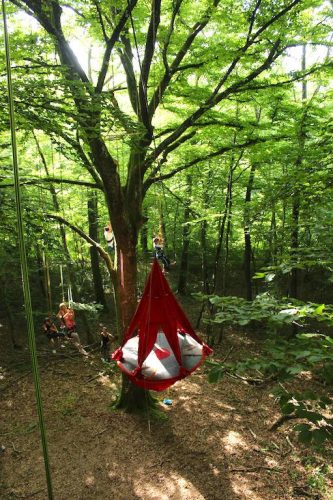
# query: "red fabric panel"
{"type": "Point", "coordinates": [147, 340]}
{"type": "Point", "coordinates": [157, 310]}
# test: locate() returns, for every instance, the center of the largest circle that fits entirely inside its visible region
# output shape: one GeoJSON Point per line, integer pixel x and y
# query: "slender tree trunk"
{"type": "Point", "coordinates": [217, 271]}
{"type": "Point", "coordinates": [295, 245]}
{"type": "Point", "coordinates": [296, 197]}
{"type": "Point", "coordinates": [183, 269]}
{"type": "Point", "coordinates": [163, 229]}
{"type": "Point", "coordinates": [247, 235]}
{"type": "Point", "coordinates": [273, 238]}
{"type": "Point", "coordinates": [40, 268]}
{"type": "Point", "coordinates": [174, 232]}
{"type": "Point", "coordinates": [144, 234]}
{"type": "Point", "coordinates": [9, 314]}
{"type": "Point", "coordinates": [94, 258]}
{"type": "Point", "coordinates": [228, 232]}
{"type": "Point", "coordinates": [204, 264]}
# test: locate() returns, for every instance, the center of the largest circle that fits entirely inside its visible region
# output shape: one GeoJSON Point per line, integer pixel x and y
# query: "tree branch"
{"type": "Point", "coordinates": [299, 75]}
{"type": "Point", "coordinates": [147, 60]}
{"type": "Point", "coordinates": [170, 70]}
{"type": "Point", "coordinates": [220, 123]}
{"type": "Point", "coordinates": [110, 44]}
{"type": "Point", "coordinates": [216, 97]}
{"type": "Point", "coordinates": [103, 254]}
{"type": "Point", "coordinates": [52, 24]}
{"type": "Point", "coordinates": [151, 180]}
{"type": "Point", "coordinates": [175, 11]}
{"type": "Point", "coordinates": [100, 17]}
{"type": "Point", "coordinates": [52, 180]}
{"type": "Point", "coordinates": [252, 19]}
{"type": "Point", "coordinates": [126, 57]}
{"type": "Point", "coordinates": [77, 12]}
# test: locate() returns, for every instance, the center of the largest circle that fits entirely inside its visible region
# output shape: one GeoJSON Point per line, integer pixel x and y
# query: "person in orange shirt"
{"type": "Point", "coordinates": [67, 324]}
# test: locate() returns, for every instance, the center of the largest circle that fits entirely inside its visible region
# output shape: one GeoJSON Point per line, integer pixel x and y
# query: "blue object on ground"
{"type": "Point", "coordinates": [167, 402]}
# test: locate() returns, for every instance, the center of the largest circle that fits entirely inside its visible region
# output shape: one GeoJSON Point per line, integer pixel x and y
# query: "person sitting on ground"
{"type": "Point", "coordinates": [105, 337]}
{"type": "Point", "coordinates": [158, 244]}
{"type": "Point", "coordinates": [50, 329]}
{"type": "Point", "coordinates": [68, 326]}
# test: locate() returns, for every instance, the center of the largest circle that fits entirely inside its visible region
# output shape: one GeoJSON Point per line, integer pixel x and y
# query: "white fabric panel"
{"type": "Point", "coordinates": [191, 351]}
{"type": "Point", "coordinates": [161, 363]}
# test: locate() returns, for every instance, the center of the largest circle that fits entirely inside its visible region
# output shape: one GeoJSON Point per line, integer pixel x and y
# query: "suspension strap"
{"type": "Point", "coordinates": [23, 260]}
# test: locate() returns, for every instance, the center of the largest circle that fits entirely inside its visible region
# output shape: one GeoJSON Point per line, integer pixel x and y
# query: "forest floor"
{"type": "Point", "coordinates": [214, 444]}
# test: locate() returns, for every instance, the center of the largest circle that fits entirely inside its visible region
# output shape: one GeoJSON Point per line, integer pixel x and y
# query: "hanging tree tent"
{"type": "Point", "coordinates": [160, 345]}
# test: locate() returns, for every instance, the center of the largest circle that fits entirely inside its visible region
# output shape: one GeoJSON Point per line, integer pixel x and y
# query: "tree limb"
{"type": "Point", "coordinates": [216, 97]}
{"type": "Point", "coordinates": [224, 149]}
{"type": "Point", "coordinates": [101, 22]}
{"type": "Point", "coordinates": [170, 70]}
{"type": "Point", "coordinates": [103, 254]}
{"type": "Point", "coordinates": [126, 57]}
{"type": "Point", "coordinates": [110, 44]}
{"type": "Point", "coordinates": [52, 180]}
{"type": "Point", "coordinates": [147, 60]}
{"type": "Point", "coordinates": [175, 11]}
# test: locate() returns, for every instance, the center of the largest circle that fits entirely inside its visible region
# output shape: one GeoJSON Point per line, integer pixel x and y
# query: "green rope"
{"type": "Point", "coordinates": [23, 260]}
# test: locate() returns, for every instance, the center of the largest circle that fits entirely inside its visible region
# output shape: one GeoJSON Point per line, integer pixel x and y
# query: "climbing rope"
{"type": "Point", "coordinates": [23, 260]}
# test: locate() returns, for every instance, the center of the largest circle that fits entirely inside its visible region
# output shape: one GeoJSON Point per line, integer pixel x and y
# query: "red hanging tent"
{"type": "Point", "coordinates": [160, 345]}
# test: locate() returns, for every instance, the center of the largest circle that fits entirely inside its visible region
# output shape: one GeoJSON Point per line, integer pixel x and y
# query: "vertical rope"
{"type": "Point", "coordinates": [23, 260]}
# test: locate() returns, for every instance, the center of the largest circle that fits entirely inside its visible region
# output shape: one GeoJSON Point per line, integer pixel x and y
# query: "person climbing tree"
{"type": "Point", "coordinates": [158, 244]}
{"type": "Point", "coordinates": [109, 237]}
{"type": "Point", "coordinates": [68, 326]}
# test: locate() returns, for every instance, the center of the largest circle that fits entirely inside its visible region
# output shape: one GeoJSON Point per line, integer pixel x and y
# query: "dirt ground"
{"type": "Point", "coordinates": [214, 444]}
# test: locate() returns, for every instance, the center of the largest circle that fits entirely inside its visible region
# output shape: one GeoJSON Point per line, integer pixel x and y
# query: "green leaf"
{"type": "Point", "coordinates": [287, 408]}
{"type": "Point", "coordinates": [302, 427]}
{"type": "Point", "coordinates": [319, 436]}
{"type": "Point", "coordinates": [309, 415]}
{"type": "Point", "coordinates": [320, 309]}
{"type": "Point", "coordinates": [305, 436]}
{"type": "Point", "coordinates": [215, 375]}
{"type": "Point", "coordinates": [258, 276]}
{"type": "Point", "coordinates": [294, 370]}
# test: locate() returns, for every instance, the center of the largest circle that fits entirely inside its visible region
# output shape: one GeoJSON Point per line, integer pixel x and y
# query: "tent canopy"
{"type": "Point", "coordinates": [160, 345]}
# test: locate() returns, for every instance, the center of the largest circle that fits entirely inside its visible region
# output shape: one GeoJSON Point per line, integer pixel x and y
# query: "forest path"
{"type": "Point", "coordinates": [215, 444]}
